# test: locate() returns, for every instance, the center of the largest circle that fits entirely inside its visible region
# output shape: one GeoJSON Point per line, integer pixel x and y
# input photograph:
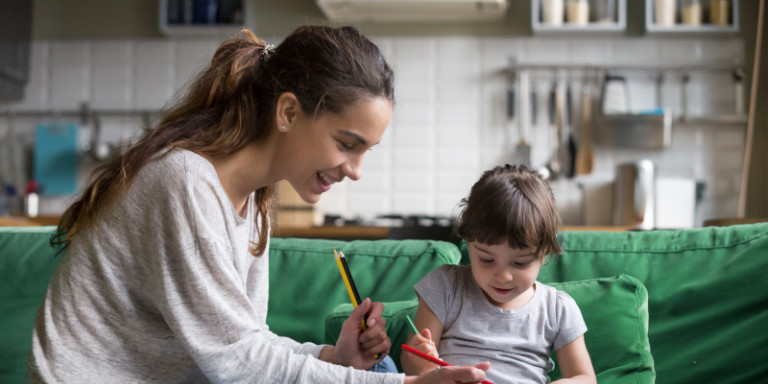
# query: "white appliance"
{"type": "Point", "coordinates": [414, 10]}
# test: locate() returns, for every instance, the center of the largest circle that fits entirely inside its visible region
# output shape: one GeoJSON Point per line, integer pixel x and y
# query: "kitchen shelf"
{"type": "Point", "coordinates": [593, 27]}
{"type": "Point", "coordinates": [202, 18]}
{"type": "Point", "coordinates": [681, 29]}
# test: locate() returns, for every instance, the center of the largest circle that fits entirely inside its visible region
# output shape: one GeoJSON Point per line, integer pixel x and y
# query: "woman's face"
{"type": "Point", "coordinates": [506, 275]}
{"type": "Point", "coordinates": [330, 148]}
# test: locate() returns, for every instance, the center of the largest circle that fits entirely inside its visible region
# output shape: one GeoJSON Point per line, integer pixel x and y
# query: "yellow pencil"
{"type": "Point", "coordinates": [354, 296]}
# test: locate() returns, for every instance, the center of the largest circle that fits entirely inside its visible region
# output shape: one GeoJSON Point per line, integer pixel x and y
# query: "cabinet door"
{"type": "Point", "coordinates": [16, 19]}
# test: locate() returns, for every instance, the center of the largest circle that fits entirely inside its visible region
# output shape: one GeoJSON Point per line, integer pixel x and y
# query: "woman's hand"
{"type": "Point", "coordinates": [453, 374]}
{"type": "Point", "coordinates": [355, 347]}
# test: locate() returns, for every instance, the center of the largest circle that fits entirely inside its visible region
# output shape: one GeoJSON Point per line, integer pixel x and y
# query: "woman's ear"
{"type": "Point", "coordinates": [287, 109]}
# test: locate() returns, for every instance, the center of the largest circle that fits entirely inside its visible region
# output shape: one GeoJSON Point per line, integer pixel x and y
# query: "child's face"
{"type": "Point", "coordinates": [506, 275]}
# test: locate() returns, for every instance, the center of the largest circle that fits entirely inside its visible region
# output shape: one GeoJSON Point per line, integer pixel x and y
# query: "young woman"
{"type": "Point", "coordinates": [164, 277]}
{"type": "Point", "coordinates": [494, 308]}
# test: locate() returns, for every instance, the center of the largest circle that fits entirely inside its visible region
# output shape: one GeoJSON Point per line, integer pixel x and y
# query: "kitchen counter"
{"type": "Point", "coordinates": [353, 232]}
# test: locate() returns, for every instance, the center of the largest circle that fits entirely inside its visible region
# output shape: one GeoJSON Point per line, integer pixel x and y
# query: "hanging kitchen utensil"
{"type": "Point", "coordinates": [585, 158]}
{"type": "Point", "coordinates": [522, 153]}
{"type": "Point", "coordinates": [557, 165]}
{"type": "Point", "coordinates": [570, 142]}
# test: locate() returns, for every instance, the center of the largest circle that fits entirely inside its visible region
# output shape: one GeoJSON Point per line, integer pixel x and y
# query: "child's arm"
{"type": "Point", "coordinates": [575, 364]}
{"type": "Point", "coordinates": [427, 341]}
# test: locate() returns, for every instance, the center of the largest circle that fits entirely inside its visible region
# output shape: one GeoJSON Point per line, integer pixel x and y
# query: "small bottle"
{"type": "Point", "coordinates": [603, 11]}
{"type": "Point", "coordinates": [665, 12]}
{"type": "Point", "coordinates": [578, 12]}
{"type": "Point", "coordinates": [552, 12]}
{"type": "Point", "coordinates": [720, 12]}
{"type": "Point", "coordinates": [691, 12]}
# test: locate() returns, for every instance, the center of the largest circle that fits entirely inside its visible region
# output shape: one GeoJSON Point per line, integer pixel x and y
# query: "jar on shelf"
{"type": "Point", "coordinates": [578, 12]}
{"type": "Point", "coordinates": [552, 12]}
{"type": "Point", "coordinates": [603, 11]}
{"type": "Point", "coordinates": [720, 12]}
{"type": "Point", "coordinates": [691, 12]}
{"type": "Point", "coordinates": [664, 10]}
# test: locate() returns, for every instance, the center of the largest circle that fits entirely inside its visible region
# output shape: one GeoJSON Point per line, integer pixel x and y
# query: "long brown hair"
{"type": "Point", "coordinates": [514, 204]}
{"type": "Point", "coordinates": [232, 102]}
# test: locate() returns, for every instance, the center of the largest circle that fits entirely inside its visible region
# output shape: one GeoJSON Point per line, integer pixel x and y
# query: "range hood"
{"type": "Point", "coordinates": [414, 10]}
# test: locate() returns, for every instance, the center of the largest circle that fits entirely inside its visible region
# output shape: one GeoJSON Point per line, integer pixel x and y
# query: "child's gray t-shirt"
{"type": "Point", "coordinates": [517, 342]}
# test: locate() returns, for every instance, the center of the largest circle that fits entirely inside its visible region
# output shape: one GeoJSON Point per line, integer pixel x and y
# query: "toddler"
{"type": "Point", "coordinates": [494, 309]}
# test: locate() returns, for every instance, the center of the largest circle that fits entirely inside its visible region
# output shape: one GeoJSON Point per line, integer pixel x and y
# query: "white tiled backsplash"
{"type": "Point", "coordinates": [449, 122]}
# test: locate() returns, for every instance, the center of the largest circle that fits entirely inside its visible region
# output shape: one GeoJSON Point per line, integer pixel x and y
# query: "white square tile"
{"type": "Point", "coordinates": [411, 181]}
{"type": "Point", "coordinates": [628, 50]}
{"type": "Point", "coordinates": [496, 53]}
{"type": "Point", "coordinates": [545, 50]}
{"type": "Point", "coordinates": [154, 74]}
{"type": "Point", "coordinates": [372, 180]}
{"type": "Point", "coordinates": [368, 205]}
{"type": "Point", "coordinates": [458, 136]}
{"type": "Point", "coordinates": [112, 74]}
{"type": "Point", "coordinates": [413, 135]}
{"type": "Point", "coordinates": [407, 92]}
{"type": "Point", "coordinates": [590, 51]}
{"type": "Point", "coordinates": [192, 57]}
{"type": "Point", "coordinates": [414, 114]}
{"type": "Point", "coordinates": [459, 159]}
{"type": "Point", "coordinates": [455, 181]}
{"type": "Point", "coordinates": [419, 49]}
{"type": "Point", "coordinates": [459, 113]}
{"type": "Point", "coordinates": [413, 158]}
{"type": "Point", "coordinates": [676, 50]}
{"type": "Point", "coordinates": [447, 204]}
{"type": "Point", "coordinates": [412, 204]}
{"type": "Point", "coordinates": [70, 74]}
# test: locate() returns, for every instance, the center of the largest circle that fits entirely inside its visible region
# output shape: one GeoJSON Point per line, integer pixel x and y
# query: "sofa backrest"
{"type": "Point", "coordinates": [26, 264]}
{"type": "Point", "coordinates": [707, 294]}
{"type": "Point", "coordinates": [305, 283]}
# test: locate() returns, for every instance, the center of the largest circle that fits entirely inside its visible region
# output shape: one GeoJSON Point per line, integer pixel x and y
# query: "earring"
{"type": "Point", "coordinates": [283, 128]}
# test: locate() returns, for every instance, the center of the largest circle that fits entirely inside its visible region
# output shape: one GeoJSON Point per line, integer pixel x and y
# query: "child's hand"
{"type": "Point", "coordinates": [423, 342]}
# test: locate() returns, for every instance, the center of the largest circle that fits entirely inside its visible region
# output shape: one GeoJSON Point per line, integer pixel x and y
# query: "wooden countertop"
{"type": "Point", "coordinates": [366, 232]}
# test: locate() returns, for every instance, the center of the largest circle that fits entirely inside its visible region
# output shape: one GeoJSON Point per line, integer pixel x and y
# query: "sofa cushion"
{"type": "Point", "coordinates": [707, 294]}
{"type": "Point", "coordinates": [26, 264]}
{"type": "Point", "coordinates": [615, 310]}
{"type": "Point", "coordinates": [305, 284]}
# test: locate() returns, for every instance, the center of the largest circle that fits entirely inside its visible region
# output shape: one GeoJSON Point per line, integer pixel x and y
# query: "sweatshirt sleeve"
{"type": "Point", "coordinates": [202, 294]}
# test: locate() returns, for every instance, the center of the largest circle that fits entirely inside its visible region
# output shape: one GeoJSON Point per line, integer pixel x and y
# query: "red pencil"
{"type": "Point", "coordinates": [430, 358]}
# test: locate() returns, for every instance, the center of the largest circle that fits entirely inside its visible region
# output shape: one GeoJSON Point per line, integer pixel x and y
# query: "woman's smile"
{"type": "Point", "coordinates": [325, 181]}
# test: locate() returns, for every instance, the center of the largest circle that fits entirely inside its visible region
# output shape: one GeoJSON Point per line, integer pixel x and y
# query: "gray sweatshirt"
{"type": "Point", "coordinates": [165, 290]}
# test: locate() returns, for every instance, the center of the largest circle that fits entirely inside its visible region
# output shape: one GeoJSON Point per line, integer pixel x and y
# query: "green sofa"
{"type": "Point", "coordinates": [677, 306]}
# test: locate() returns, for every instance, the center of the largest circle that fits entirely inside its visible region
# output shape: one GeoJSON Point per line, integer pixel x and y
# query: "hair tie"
{"type": "Point", "coordinates": [267, 51]}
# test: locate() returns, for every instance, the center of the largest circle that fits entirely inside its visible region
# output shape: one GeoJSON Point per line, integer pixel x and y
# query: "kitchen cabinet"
{"type": "Point", "coordinates": [691, 16]}
{"type": "Point", "coordinates": [200, 18]}
{"type": "Point", "coordinates": [578, 16]}
{"type": "Point", "coordinates": [16, 20]}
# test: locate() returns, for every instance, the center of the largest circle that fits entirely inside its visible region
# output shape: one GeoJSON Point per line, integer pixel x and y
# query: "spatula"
{"type": "Point", "coordinates": [522, 153]}
{"type": "Point", "coordinates": [585, 157]}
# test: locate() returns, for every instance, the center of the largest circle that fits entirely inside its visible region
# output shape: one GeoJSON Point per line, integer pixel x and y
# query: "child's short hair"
{"type": "Point", "coordinates": [514, 204]}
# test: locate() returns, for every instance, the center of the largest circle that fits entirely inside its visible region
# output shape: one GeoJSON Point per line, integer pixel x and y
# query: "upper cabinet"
{"type": "Point", "coordinates": [202, 17]}
{"type": "Point", "coordinates": [691, 16]}
{"type": "Point", "coordinates": [587, 16]}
